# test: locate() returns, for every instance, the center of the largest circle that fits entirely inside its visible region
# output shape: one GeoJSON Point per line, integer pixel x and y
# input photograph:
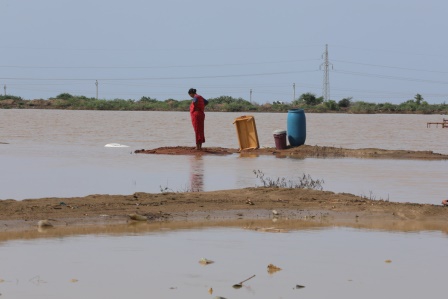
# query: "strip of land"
{"type": "Point", "coordinates": [304, 151]}
{"type": "Point", "coordinates": [279, 206]}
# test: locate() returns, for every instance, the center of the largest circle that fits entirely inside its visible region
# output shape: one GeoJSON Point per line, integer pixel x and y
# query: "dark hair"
{"type": "Point", "coordinates": [192, 91]}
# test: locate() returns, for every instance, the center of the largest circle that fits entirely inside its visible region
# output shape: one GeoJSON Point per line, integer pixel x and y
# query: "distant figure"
{"type": "Point", "coordinates": [445, 202]}
{"type": "Point", "coordinates": [197, 114]}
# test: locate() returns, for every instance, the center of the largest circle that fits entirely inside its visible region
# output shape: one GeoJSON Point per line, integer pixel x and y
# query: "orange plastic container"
{"type": "Point", "coordinates": [247, 132]}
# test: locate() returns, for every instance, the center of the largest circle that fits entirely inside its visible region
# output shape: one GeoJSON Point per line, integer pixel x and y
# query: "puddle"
{"type": "Point", "coordinates": [162, 261]}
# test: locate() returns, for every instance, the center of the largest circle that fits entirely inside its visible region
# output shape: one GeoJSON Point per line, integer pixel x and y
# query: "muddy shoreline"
{"type": "Point", "coordinates": [304, 151]}
{"type": "Point", "coordinates": [202, 208]}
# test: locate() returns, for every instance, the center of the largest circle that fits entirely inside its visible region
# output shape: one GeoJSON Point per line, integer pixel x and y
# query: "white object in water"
{"type": "Point", "coordinates": [115, 145]}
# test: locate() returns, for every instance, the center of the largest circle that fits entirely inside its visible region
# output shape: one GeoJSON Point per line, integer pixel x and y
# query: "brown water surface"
{"type": "Point", "coordinates": [164, 263]}
{"type": "Point", "coordinates": [61, 153]}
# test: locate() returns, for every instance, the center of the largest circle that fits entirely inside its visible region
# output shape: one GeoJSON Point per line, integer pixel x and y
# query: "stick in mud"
{"type": "Point", "coordinates": [239, 285]}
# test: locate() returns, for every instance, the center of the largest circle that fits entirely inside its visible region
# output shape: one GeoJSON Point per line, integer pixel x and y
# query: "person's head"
{"type": "Point", "coordinates": [192, 92]}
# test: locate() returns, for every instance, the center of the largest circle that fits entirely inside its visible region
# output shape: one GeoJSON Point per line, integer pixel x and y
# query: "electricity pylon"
{"type": "Point", "coordinates": [326, 67]}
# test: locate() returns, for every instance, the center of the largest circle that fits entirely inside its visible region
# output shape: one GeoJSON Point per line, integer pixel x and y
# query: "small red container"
{"type": "Point", "coordinates": [280, 139]}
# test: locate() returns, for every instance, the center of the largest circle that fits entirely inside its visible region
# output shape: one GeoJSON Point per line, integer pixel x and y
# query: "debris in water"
{"type": "Point", "coordinates": [210, 291]}
{"type": "Point", "coordinates": [204, 261]}
{"type": "Point", "coordinates": [298, 286]}
{"type": "Point", "coordinates": [272, 269]}
{"type": "Point", "coordinates": [115, 145]}
{"type": "Point", "coordinates": [388, 261]}
{"type": "Point", "coordinates": [73, 280]}
{"type": "Point", "coordinates": [269, 229]}
{"type": "Point", "coordinates": [275, 212]}
{"type": "Point", "coordinates": [138, 217]}
{"type": "Point", "coordinates": [240, 284]}
{"type": "Point", "coordinates": [44, 223]}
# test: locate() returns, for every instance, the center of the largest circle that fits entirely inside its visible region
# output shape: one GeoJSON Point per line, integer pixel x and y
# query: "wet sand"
{"type": "Point", "coordinates": [218, 206]}
{"type": "Point", "coordinates": [304, 151]}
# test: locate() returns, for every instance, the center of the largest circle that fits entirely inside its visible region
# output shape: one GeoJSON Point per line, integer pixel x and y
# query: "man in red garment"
{"type": "Point", "coordinates": [197, 114]}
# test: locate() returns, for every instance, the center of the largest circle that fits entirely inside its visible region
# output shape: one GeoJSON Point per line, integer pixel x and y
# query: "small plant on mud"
{"type": "Point", "coordinates": [185, 189]}
{"type": "Point", "coordinates": [188, 189]}
{"type": "Point", "coordinates": [372, 196]}
{"type": "Point", "coordinates": [165, 189]}
{"type": "Point", "coordinates": [304, 182]}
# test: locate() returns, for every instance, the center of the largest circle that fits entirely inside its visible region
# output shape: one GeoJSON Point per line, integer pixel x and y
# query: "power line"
{"type": "Point", "coordinates": [401, 52]}
{"type": "Point", "coordinates": [155, 67]}
{"type": "Point", "coordinates": [161, 49]}
{"type": "Point", "coordinates": [161, 78]}
{"type": "Point", "coordinates": [392, 67]}
{"type": "Point", "coordinates": [390, 77]}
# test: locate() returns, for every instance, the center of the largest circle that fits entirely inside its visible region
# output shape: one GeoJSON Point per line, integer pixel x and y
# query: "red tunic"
{"type": "Point", "coordinates": [197, 114]}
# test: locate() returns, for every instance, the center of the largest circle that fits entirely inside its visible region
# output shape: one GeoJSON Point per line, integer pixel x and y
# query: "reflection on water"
{"type": "Point", "coordinates": [196, 173]}
{"type": "Point", "coordinates": [165, 264]}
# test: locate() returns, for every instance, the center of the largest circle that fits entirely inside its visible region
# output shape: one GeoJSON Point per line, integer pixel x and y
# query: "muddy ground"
{"type": "Point", "coordinates": [212, 208]}
{"type": "Point", "coordinates": [274, 209]}
{"type": "Point", "coordinates": [304, 151]}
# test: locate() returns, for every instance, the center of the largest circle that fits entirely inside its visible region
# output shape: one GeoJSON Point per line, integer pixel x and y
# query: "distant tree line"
{"type": "Point", "coordinates": [307, 101]}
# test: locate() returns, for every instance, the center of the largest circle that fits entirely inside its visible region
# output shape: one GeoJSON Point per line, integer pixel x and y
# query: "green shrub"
{"type": "Point", "coordinates": [387, 107]}
{"type": "Point", "coordinates": [331, 105]}
{"type": "Point", "coordinates": [309, 99]}
{"type": "Point", "coordinates": [345, 102]}
{"type": "Point", "coordinates": [362, 107]}
{"type": "Point", "coordinates": [64, 96]}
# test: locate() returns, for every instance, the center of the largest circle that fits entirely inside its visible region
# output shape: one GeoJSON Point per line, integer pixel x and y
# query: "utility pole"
{"type": "Point", "coordinates": [4, 87]}
{"type": "Point", "coordinates": [294, 92]}
{"type": "Point", "coordinates": [250, 97]}
{"type": "Point", "coordinates": [326, 83]}
{"type": "Point", "coordinates": [96, 83]}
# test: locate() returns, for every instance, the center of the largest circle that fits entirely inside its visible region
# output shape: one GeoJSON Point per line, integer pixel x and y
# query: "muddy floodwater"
{"type": "Point", "coordinates": [62, 154]}
{"type": "Point", "coordinates": [54, 153]}
{"type": "Point", "coordinates": [329, 262]}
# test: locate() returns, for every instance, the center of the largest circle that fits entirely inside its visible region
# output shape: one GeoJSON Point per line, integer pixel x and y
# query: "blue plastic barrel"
{"type": "Point", "coordinates": [296, 127]}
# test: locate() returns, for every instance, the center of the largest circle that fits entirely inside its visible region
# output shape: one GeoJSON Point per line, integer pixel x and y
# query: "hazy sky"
{"type": "Point", "coordinates": [380, 51]}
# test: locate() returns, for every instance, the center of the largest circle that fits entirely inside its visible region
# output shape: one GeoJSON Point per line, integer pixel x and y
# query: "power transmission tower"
{"type": "Point", "coordinates": [326, 66]}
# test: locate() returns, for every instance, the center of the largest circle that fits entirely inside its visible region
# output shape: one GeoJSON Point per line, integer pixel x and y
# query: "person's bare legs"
{"type": "Point", "coordinates": [199, 146]}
